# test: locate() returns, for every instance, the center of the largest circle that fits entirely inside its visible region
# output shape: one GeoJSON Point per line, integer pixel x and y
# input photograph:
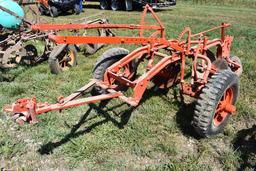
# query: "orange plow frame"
{"type": "Point", "coordinates": [194, 46]}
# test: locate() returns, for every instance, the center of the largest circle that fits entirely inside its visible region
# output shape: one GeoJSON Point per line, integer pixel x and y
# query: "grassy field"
{"type": "Point", "coordinates": [157, 135]}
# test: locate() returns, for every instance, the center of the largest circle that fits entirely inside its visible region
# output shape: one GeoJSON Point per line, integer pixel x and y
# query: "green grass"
{"type": "Point", "coordinates": [235, 3]}
{"type": "Point", "coordinates": [155, 136]}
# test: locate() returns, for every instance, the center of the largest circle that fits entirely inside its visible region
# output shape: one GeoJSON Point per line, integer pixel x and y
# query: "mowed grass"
{"type": "Point", "coordinates": [156, 135]}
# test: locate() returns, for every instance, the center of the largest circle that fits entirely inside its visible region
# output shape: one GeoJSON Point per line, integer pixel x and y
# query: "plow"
{"type": "Point", "coordinates": [19, 42]}
{"type": "Point", "coordinates": [202, 67]}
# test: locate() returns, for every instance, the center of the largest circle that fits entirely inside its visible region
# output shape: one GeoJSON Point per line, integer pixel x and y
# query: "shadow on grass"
{"type": "Point", "coordinates": [5, 76]}
{"type": "Point", "coordinates": [183, 118]}
{"type": "Point", "coordinates": [10, 74]}
{"type": "Point", "coordinates": [184, 115]}
{"type": "Point", "coordinates": [185, 112]}
{"type": "Point", "coordinates": [245, 144]}
{"type": "Point", "coordinates": [74, 132]}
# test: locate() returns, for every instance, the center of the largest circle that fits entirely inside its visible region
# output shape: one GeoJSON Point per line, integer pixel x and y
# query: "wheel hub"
{"type": "Point", "coordinates": [225, 107]}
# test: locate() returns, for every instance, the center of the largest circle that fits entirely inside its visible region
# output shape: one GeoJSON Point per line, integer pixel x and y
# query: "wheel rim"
{"type": "Point", "coordinates": [31, 55]}
{"type": "Point", "coordinates": [67, 60]}
{"type": "Point", "coordinates": [224, 108]}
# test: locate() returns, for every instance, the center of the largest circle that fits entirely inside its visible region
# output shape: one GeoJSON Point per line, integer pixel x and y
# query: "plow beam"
{"type": "Point", "coordinates": [106, 40]}
{"type": "Point", "coordinates": [57, 27]}
{"type": "Point", "coordinates": [26, 110]}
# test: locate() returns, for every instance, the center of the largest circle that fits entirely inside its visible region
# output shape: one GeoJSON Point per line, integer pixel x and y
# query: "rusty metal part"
{"type": "Point", "coordinates": [176, 53]}
{"type": "Point", "coordinates": [13, 42]}
{"type": "Point", "coordinates": [13, 48]}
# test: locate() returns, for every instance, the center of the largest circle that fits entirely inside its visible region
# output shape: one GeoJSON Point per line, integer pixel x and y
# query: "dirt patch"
{"type": "Point", "coordinates": [245, 144]}
{"type": "Point", "coordinates": [245, 123]}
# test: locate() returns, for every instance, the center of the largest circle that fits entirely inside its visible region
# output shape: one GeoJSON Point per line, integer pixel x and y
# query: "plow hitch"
{"type": "Point", "coordinates": [26, 109]}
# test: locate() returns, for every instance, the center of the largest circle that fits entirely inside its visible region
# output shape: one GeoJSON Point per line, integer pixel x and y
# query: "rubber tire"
{"type": "Point", "coordinates": [115, 5]}
{"type": "Point", "coordinates": [54, 62]}
{"type": "Point", "coordinates": [91, 48]}
{"type": "Point", "coordinates": [209, 99]}
{"type": "Point", "coordinates": [53, 11]}
{"type": "Point", "coordinates": [41, 9]}
{"type": "Point", "coordinates": [173, 2]}
{"type": "Point", "coordinates": [237, 59]}
{"type": "Point", "coordinates": [94, 47]}
{"type": "Point", "coordinates": [107, 59]}
{"type": "Point", "coordinates": [30, 48]}
{"type": "Point", "coordinates": [105, 4]}
{"type": "Point", "coordinates": [128, 5]}
{"type": "Point", "coordinates": [77, 9]}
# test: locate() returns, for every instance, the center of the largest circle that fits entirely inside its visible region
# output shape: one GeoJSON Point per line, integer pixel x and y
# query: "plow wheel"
{"type": "Point", "coordinates": [216, 103]}
{"type": "Point", "coordinates": [106, 60]}
{"type": "Point", "coordinates": [91, 48]}
{"type": "Point", "coordinates": [30, 55]}
{"type": "Point", "coordinates": [62, 58]}
{"type": "Point", "coordinates": [41, 9]}
{"type": "Point", "coordinates": [53, 11]}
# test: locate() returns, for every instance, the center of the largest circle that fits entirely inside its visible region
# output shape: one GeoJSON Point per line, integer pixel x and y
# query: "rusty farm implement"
{"type": "Point", "coordinates": [20, 44]}
{"type": "Point", "coordinates": [213, 79]}
{"type": "Point", "coordinates": [15, 32]}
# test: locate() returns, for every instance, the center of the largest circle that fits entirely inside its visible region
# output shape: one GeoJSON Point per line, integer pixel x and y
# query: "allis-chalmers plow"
{"type": "Point", "coordinates": [213, 77]}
